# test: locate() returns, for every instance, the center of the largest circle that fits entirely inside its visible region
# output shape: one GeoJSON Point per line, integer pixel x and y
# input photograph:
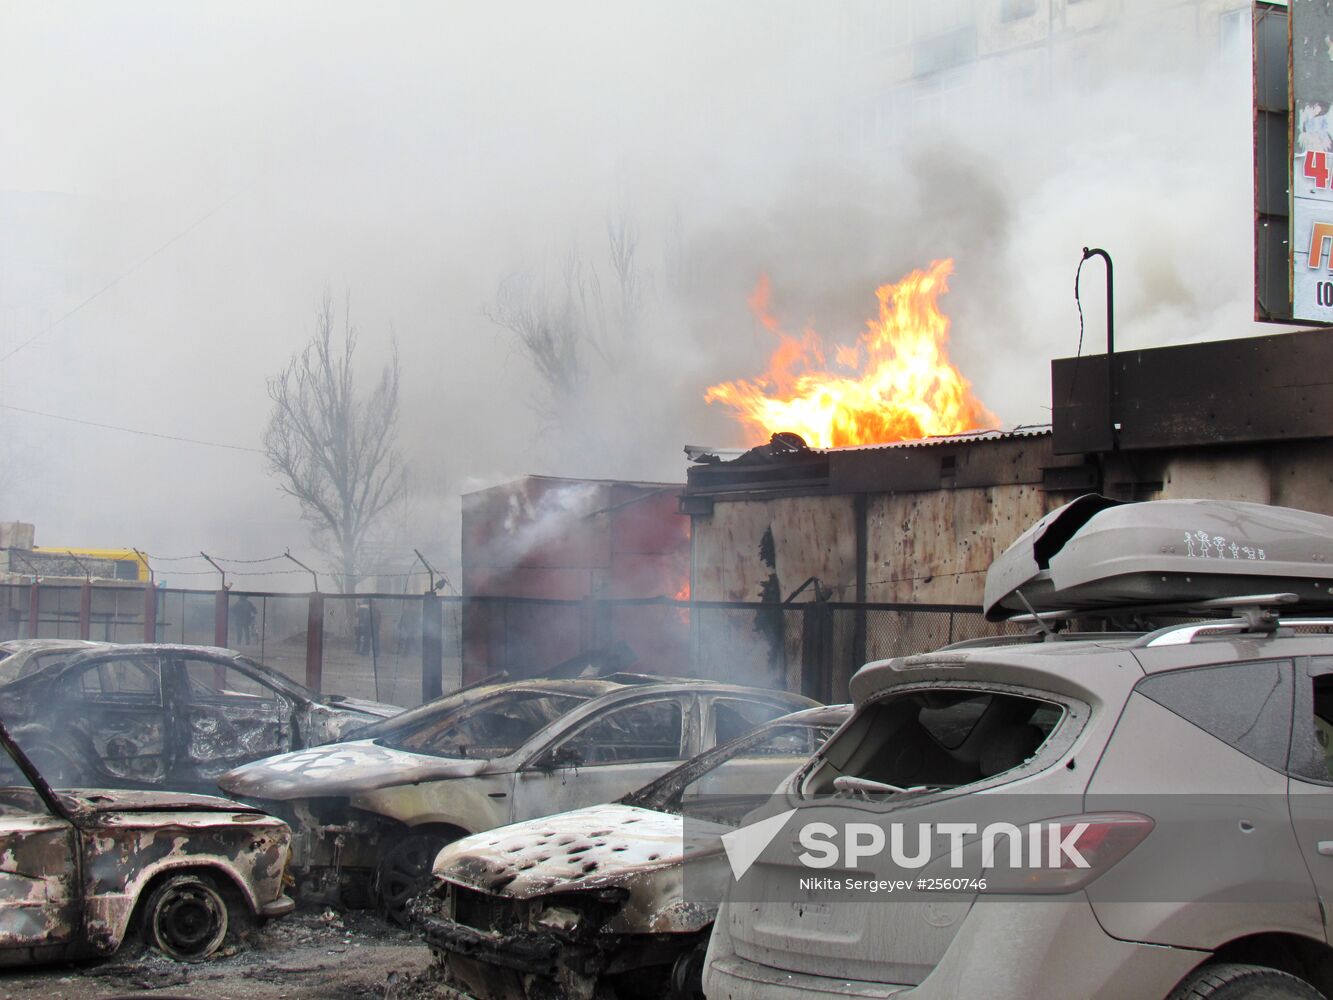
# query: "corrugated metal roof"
{"type": "Point", "coordinates": [968, 437]}
{"type": "Point", "coordinates": [696, 452]}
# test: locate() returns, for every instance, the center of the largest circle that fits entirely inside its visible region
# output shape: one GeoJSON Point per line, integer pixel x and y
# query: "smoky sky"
{"type": "Point", "coordinates": [218, 165]}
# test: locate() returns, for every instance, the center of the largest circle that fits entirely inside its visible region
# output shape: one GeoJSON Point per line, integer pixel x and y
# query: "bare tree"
{"type": "Point", "coordinates": [554, 327]}
{"type": "Point", "coordinates": [333, 448]}
{"type": "Point", "coordinates": [564, 327]}
{"type": "Point", "coordinates": [623, 238]}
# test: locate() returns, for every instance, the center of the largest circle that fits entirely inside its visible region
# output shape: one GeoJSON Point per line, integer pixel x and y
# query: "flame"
{"type": "Point", "coordinates": [683, 594]}
{"type": "Point", "coordinates": [901, 385]}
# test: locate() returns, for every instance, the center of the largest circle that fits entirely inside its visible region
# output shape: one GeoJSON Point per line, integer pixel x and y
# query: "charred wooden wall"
{"type": "Point", "coordinates": [916, 523]}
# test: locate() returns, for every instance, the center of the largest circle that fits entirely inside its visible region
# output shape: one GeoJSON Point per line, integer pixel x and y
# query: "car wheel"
{"type": "Point", "coordinates": [687, 975]}
{"type": "Point", "coordinates": [1234, 981]}
{"type": "Point", "coordinates": [404, 872]}
{"type": "Point", "coordinates": [186, 918]}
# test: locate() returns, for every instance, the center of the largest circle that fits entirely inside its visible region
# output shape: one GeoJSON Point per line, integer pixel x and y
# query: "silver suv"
{"type": "Point", "coordinates": [1112, 814]}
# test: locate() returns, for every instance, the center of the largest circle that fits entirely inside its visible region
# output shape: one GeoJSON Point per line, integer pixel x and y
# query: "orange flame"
{"type": "Point", "coordinates": [902, 385]}
{"type": "Point", "coordinates": [683, 594]}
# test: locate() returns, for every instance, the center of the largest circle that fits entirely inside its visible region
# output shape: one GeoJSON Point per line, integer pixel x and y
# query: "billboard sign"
{"type": "Point", "coordinates": [1312, 160]}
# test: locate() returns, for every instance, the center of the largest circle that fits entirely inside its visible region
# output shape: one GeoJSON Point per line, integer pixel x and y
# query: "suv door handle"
{"type": "Point", "coordinates": [1325, 847]}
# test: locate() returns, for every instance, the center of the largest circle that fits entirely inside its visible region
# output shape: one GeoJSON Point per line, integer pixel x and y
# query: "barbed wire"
{"type": "Point", "coordinates": [232, 560]}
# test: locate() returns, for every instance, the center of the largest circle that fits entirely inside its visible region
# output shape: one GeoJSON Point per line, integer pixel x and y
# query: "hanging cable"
{"type": "Point", "coordinates": [1073, 381]}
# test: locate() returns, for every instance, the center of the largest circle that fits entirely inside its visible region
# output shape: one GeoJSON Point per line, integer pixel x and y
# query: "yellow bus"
{"type": "Point", "coordinates": [112, 564]}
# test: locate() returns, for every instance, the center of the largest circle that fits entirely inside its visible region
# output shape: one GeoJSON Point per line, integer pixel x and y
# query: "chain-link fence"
{"type": "Point", "coordinates": [372, 647]}
{"type": "Point", "coordinates": [402, 648]}
{"type": "Point", "coordinates": [866, 632]}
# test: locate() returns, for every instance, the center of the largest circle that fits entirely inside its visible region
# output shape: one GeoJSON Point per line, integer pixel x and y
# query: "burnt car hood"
{"type": "Point", "coordinates": [587, 848]}
{"type": "Point", "coordinates": [341, 769]}
{"type": "Point", "coordinates": [102, 800]}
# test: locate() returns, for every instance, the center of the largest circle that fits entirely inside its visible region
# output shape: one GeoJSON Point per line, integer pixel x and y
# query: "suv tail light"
{"type": "Point", "coordinates": [1103, 840]}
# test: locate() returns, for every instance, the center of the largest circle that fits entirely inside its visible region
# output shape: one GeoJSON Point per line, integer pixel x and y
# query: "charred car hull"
{"type": "Point", "coordinates": [569, 906]}
{"type": "Point", "coordinates": [379, 807]}
{"type": "Point", "coordinates": [80, 870]}
{"type": "Point", "coordinates": [166, 716]}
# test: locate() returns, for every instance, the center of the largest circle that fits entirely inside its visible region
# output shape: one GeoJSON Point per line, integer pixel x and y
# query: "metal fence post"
{"type": "Point", "coordinates": [150, 612]}
{"type": "Point", "coordinates": [220, 617]}
{"type": "Point", "coordinates": [817, 651]}
{"type": "Point", "coordinates": [85, 609]}
{"type": "Point", "coordinates": [432, 647]}
{"type": "Point", "coordinates": [314, 643]}
{"type": "Point", "coordinates": [34, 607]}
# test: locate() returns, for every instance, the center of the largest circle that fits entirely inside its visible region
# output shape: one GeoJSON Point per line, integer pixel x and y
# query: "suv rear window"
{"type": "Point", "coordinates": [936, 738]}
{"type": "Point", "coordinates": [1245, 705]}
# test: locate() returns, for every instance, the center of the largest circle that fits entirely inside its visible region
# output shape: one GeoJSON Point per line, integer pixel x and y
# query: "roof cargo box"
{"type": "Point", "coordinates": [1098, 553]}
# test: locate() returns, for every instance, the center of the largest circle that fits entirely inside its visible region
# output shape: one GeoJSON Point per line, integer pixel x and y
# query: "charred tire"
{"type": "Point", "coordinates": [404, 871]}
{"type": "Point", "coordinates": [187, 918]}
{"type": "Point", "coordinates": [1234, 981]}
{"type": "Point", "coordinates": [687, 974]}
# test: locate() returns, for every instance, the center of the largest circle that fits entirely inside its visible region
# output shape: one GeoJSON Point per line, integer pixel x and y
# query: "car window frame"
{"type": "Point", "coordinates": [710, 714]}
{"type": "Point", "coordinates": [74, 673]}
{"type": "Point", "coordinates": [654, 794]}
{"type": "Point", "coordinates": [1074, 719]}
{"type": "Point", "coordinates": [689, 726]}
{"type": "Point", "coordinates": [1282, 661]}
{"type": "Point", "coordinates": [181, 677]}
{"type": "Point", "coordinates": [384, 739]}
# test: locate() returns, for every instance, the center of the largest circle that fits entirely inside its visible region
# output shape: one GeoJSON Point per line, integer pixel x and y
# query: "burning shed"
{"type": "Point", "coordinates": [534, 545]}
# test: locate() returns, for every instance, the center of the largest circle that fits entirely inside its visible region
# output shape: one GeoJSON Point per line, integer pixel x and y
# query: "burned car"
{"type": "Point", "coordinates": [372, 812]}
{"type": "Point", "coordinates": [592, 902]}
{"type": "Point", "coordinates": [145, 716]}
{"type": "Point", "coordinates": [82, 871]}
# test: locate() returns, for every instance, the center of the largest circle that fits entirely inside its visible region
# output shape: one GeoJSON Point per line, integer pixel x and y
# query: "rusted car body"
{"type": "Point", "coordinates": [167, 716]}
{"type": "Point", "coordinates": [384, 805]}
{"type": "Point", "coordinates": [592, 903]}
{"type": "Point", "coordinates": [80, 870]}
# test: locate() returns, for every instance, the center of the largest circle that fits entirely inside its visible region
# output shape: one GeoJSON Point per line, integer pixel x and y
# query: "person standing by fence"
{"type": "Point", "coordinates": [243, 620]}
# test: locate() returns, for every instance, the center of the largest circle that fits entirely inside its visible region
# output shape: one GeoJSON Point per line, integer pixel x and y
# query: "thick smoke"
{"type": "Point", "coordinates": [214, 178]}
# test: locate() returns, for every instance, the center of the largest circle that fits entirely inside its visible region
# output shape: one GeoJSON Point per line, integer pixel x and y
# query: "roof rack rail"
{"type": "Point", "coordinates": [1181, 635]}
{"type": "Point", "coordinates": [1240, 606]}
{"type": "Point", "coordinates": [1033, 638]}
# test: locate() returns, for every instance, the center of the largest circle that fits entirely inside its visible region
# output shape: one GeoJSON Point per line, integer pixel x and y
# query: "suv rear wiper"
{"type": "Point", "coordinates": [866, 786]}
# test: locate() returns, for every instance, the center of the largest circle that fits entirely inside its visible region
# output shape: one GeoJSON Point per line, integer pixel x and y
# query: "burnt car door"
{"type": "Point", "coordinates": [108, 713]}
{"type": "Point", "coordinates": [606, 756]}
{"type": "Point", "coordinates": [226, 716]}
{"type": "Point", "coordinates": [39, 901]}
